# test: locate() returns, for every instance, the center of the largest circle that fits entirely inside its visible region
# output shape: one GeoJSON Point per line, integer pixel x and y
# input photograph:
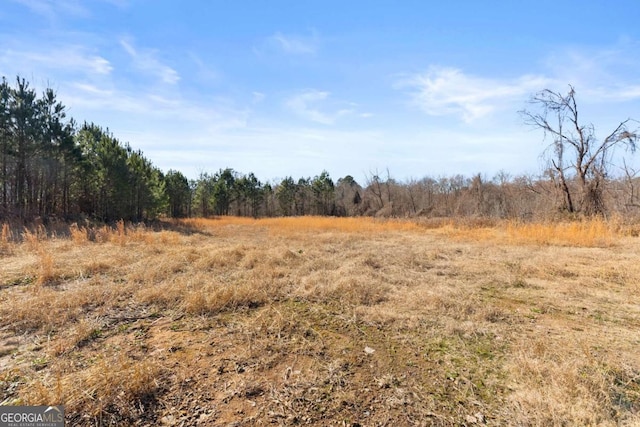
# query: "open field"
{"type": "Point", "coordinates": [324, 321]}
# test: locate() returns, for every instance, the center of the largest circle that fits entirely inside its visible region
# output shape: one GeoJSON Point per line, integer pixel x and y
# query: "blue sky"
{"type": "Point", "coordinates": [284, 88]}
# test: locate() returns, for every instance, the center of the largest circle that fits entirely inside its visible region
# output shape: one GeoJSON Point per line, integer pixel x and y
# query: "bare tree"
{"type": "Point", "coordinates": [631, 180]}
{"type": "Point", "coordinates": [374, 185]}
{"type": "Point", "coordinates": [575, 151]}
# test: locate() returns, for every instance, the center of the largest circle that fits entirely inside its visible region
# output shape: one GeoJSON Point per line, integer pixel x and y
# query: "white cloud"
{"type": "Point", "coordinates": [91, 98]}
{"type": "Point", "coordinates": [147, 62]}
{"type": "Point", "coordinates": [599, 75]}
{"type": "Point", "coordinates": [68, 58]}
{"type": "Point", "coordinates": [205, 72]}
{"type": "Point", "coordinates": [150, 106]}
{"type": "Point", "coordinates": [295, 44]}
{"type": "Point", "coordinates": [51, 8]}
{"type": "Point", "coordinates": [306, 105]}
{"type": "Point", "coordinates": [41, 7]}
{"type": "Point", "coordinates": [448, 91]}
{"type": "Point", "coordinates": [91, 89]}
{"type": "Point", "coordinates": [269, 152]}
{"type": "Point", "coordinates": [300, 104]}
{"type": "Point", "coordinates": [122, 4]}
{"type": "Point", "coordinates": [257, 97]}
{"type": "Point", "coordinates": [618, 93]}
{"type": "Point", "coordinates": [272, 152]}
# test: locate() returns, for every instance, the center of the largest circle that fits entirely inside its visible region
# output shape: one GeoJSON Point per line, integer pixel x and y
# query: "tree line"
{"type": "Point", "coordinates": [52, 167]}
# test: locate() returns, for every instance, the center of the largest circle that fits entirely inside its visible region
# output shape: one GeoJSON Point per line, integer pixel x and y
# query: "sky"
{"type": "Point", "coordinates": [292, 88]}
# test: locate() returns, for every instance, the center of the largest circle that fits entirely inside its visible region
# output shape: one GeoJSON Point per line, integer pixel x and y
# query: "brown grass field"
{"type": "Point", "coordinates": [324, 321]}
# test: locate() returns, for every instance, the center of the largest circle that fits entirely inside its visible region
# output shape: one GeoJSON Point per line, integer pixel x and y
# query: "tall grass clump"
{"type": "Point", "coordinates": [595, 232]}
{"type": "Point", "coordinates": [79, 235]}
{"type": "Point", "coordinates": [34, 238]}
{"type": "Point", "coordinates": [109, 392]}
{"type": "Point", "coordinates": [34, 241]}
{"type": "Point", "coordinates": [6, 239]}
{"type": "Point", "coordinates": [6, 236]}
{"type": "Point", "coordinates": [46, 273]}
{"type": "Point", "coordinates": [121, 233]}
{"type": "Point", "coordinates": [468, 230]}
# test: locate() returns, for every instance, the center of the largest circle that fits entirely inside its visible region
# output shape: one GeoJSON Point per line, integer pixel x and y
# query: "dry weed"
{"type": "Point", "coordinates": [318, 320]}
{"type": "Point", "coordinates": [6, 240]}
{"type": "Point", "coordinates": [79, 235]}
{"type": "Point", "coordinates": [305, 224]}
{"type": "Point", "coordinates": [90, 395]}
{"type": "Point", "coordinates": [46, 272]}
{"type": "Point", "coordinates": [121, 233]}
{"type": "Point", "coordinates": [33, 238]}
{"type": "Point", "coordinates": [586, 233]}
{"type": "Point", "coordinates": [6, 236]}
{"type": "Point", "coordinates": [558, 385]}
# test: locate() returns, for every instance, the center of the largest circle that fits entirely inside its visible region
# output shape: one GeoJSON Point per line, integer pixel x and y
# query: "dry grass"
{"type": "Point", "coordinates": [79, 235]}
{"type": "Point", "coordinates": [309, 224]}
{"type": "Point", "coordinates": [586, 233]}
{"type": "Point", "coordinates": [6, 237]}
{"type": "Point", "coordinates": [325, 321]}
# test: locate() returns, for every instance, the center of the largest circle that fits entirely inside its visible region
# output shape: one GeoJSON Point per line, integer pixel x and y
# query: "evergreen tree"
{"type": "Point", "coordinates": [323, 194]}
{"type": "Point", "coordinates": [6, 146]}
{"type": "Point", "coordinates": [203, 195]}
{"type": "Point", "coordinates": [178, 193]}
{"type": "Point", "coordinates": [286, 196]}
{"type": "Point", "coordinates": [223, 191]}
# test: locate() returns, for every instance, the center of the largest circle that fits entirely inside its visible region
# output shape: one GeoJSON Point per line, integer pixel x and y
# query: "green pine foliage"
{"type": "Point", "coordinates": [50, 168]}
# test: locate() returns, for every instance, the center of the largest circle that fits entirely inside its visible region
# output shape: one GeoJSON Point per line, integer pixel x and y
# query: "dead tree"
{"type": "Point", "coordinates": [576, 153]}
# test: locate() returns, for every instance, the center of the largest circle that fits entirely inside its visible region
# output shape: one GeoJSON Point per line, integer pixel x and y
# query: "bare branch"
{"type": "Point", "coordinates": [589, 158]}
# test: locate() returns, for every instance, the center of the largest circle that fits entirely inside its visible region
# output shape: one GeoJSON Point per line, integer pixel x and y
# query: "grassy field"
{"type": "Point", "coordinates": [324, 321]}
